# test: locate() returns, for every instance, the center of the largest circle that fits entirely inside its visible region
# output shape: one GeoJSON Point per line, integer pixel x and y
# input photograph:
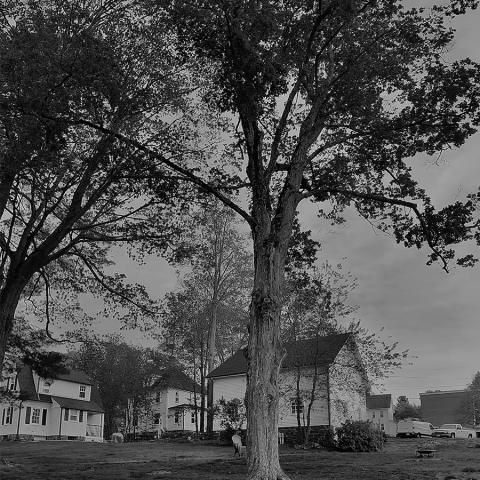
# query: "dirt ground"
{"type": "Point", "coordinates": [454, 459]}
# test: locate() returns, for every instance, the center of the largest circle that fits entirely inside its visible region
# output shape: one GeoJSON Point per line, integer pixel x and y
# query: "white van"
{"type": "Point", "coordinates": [411, 427]}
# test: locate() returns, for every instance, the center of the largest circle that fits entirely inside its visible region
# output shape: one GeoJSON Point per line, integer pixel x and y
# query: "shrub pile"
{"type": "Point", "coordinates": [360, 436]}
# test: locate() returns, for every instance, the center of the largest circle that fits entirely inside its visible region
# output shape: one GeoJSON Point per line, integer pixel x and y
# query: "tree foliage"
{"type": "Point", "coordinates": [124, 375]}
{"type": "Point", "coordinates": [470, 409]}
{"type": "Point", "coordinates": [404, 409]}
{"type": "Point", "coordinates": [231, 413]}
{"type": "Point", "coordinates": [318, 302]}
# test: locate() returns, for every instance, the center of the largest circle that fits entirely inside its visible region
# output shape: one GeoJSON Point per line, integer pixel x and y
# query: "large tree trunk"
{"type": "Point", "coordinates": [6, 324]}
{"type": "Point", "coordinates": [265, 354]}
{"type": "Point", "coordinates": [9, 299]}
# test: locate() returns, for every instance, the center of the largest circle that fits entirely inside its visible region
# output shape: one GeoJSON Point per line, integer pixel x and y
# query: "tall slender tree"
{"type": "Point", "coordinates": [217, 283]}
{"type": "Point", "coordinates": [222, 273]}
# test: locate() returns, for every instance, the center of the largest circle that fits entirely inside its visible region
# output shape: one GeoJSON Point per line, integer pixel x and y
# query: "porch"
{"type": "Point", "coordinates": [94, 427]}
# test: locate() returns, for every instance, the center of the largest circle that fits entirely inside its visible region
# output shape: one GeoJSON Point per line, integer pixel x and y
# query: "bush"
{"type": "Point", "coordinates": [324, 438]}
{"type": "Point", "coordinates": [360, 436]}
{"type": "Point", "coordinates": [231, 413]}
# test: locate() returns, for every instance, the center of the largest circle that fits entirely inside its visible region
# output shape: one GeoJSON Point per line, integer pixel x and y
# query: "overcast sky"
{"type": "Point", "coordinates": [433, 314]}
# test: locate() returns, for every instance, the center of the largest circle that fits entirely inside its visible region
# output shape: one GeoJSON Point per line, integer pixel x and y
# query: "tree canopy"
{"type": "Point", "coordinates": [68, 191]}
{"type": "Point", "coordinates": [124, 375]}
{"type": "Point", "coordinates": [404, 409]}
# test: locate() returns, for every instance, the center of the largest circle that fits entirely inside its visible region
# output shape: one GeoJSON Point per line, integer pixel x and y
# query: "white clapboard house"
{"type": "Point", "coordinates": [380, 412]}
{"type": "Point", "coordinates": [174, 404]}
{"type": "Point", "coordinates": [335, 364]}
{"type": "Point", "coordinates": [66, 407]}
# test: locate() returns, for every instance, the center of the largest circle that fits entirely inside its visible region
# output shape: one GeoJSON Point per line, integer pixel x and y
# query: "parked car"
{"type": "Point", "coordinates": [414, 428]}
{"type": "Point", "coordinates": [453, 430]}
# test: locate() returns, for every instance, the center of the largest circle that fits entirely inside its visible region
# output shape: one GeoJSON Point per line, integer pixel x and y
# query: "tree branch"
{"type": "Point", "coordinates": [188, 175]}
{"type": "Point", "coordinates": [391, 201]}
{"type": "Point", "coordinates": [98, 277]}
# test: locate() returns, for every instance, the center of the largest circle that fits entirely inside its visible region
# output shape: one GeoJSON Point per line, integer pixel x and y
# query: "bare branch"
{"type": "Point", "coordinates": [391, 201]}
{"type": "Point", "coordinates": [97, 275]}
{"type": "Point", "coordinates": [187, 175]}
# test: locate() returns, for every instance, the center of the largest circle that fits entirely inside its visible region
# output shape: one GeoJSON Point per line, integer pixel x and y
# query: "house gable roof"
{"type": "Point", "coordinates": [174, 377]}
{"type": "Point", "coordinates": [318, 350]}
{"type": "Point", "coordinates": [75, 376]}
{"type": "Point", "coordinates": [76, 404]}
{"type": "Point", "coordinates": [28, 391]}
{"type": "Point", "coordinates": [379, 401]}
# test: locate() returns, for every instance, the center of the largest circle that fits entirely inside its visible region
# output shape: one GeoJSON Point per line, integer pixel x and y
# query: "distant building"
{"type": "Point", "coordinates": [380, 413]}
{"type": "Point", "coordinates": [443, 407]}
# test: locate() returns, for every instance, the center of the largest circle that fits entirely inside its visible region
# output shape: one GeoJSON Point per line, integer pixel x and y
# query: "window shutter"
{"type": "Point", "coordinates": [16, 382]}
{"type": "Point", "coordinates": [44, 416]}
{"type": "Point", "coordinates": [65, 416]}
{"type": "Point", "coordinates": [3, 417]}
{"type": "Point", "coordinates": [28, 412]}
{"type": "Point", "coordinates": [80, 417]}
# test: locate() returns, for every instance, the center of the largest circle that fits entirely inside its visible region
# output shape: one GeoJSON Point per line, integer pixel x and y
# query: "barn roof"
{"type": "Point", "coordinates": [318, 350]}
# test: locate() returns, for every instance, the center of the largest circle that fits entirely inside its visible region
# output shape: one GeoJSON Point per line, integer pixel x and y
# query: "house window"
{"type": "Point", "coordinates": [46, 386]}
{"type": "Point", "coordinates": [8, 415]}
{"type": "Point", "coordinates": [176, 418]}
{"type": "Point", "coordinates": [156, 419]}
{"type": "Point", "coordinates": [157, 397]}
{"type": "Point", "coordinates": [11, 380]}
{"type": "Point", "coordinates": [296, 406]}
{"type": "Point", "coordinates": [373, 415]}
{"type": "Point", "coordinates": [177, 397]}
{"type": "Point", "coordinates": [83, 391]}
{"type": "Point", "coordinates": [381, 414]}
{"type": "Point", "coordinates": [35, 415]}
{"type": "Point", "coordinates": [382, 426]}
{"type": "Point", "coordinates": [193, 417]}
{"type": "Point", "coordinates": [73, 415]}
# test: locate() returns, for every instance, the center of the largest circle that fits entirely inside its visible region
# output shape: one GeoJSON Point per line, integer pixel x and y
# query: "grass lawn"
{"type": "Point", "coordinates": [455, 459]}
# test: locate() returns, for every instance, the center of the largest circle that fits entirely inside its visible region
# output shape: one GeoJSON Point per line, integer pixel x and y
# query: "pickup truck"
{"type": "Point", "coordinates": [453, 430]}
